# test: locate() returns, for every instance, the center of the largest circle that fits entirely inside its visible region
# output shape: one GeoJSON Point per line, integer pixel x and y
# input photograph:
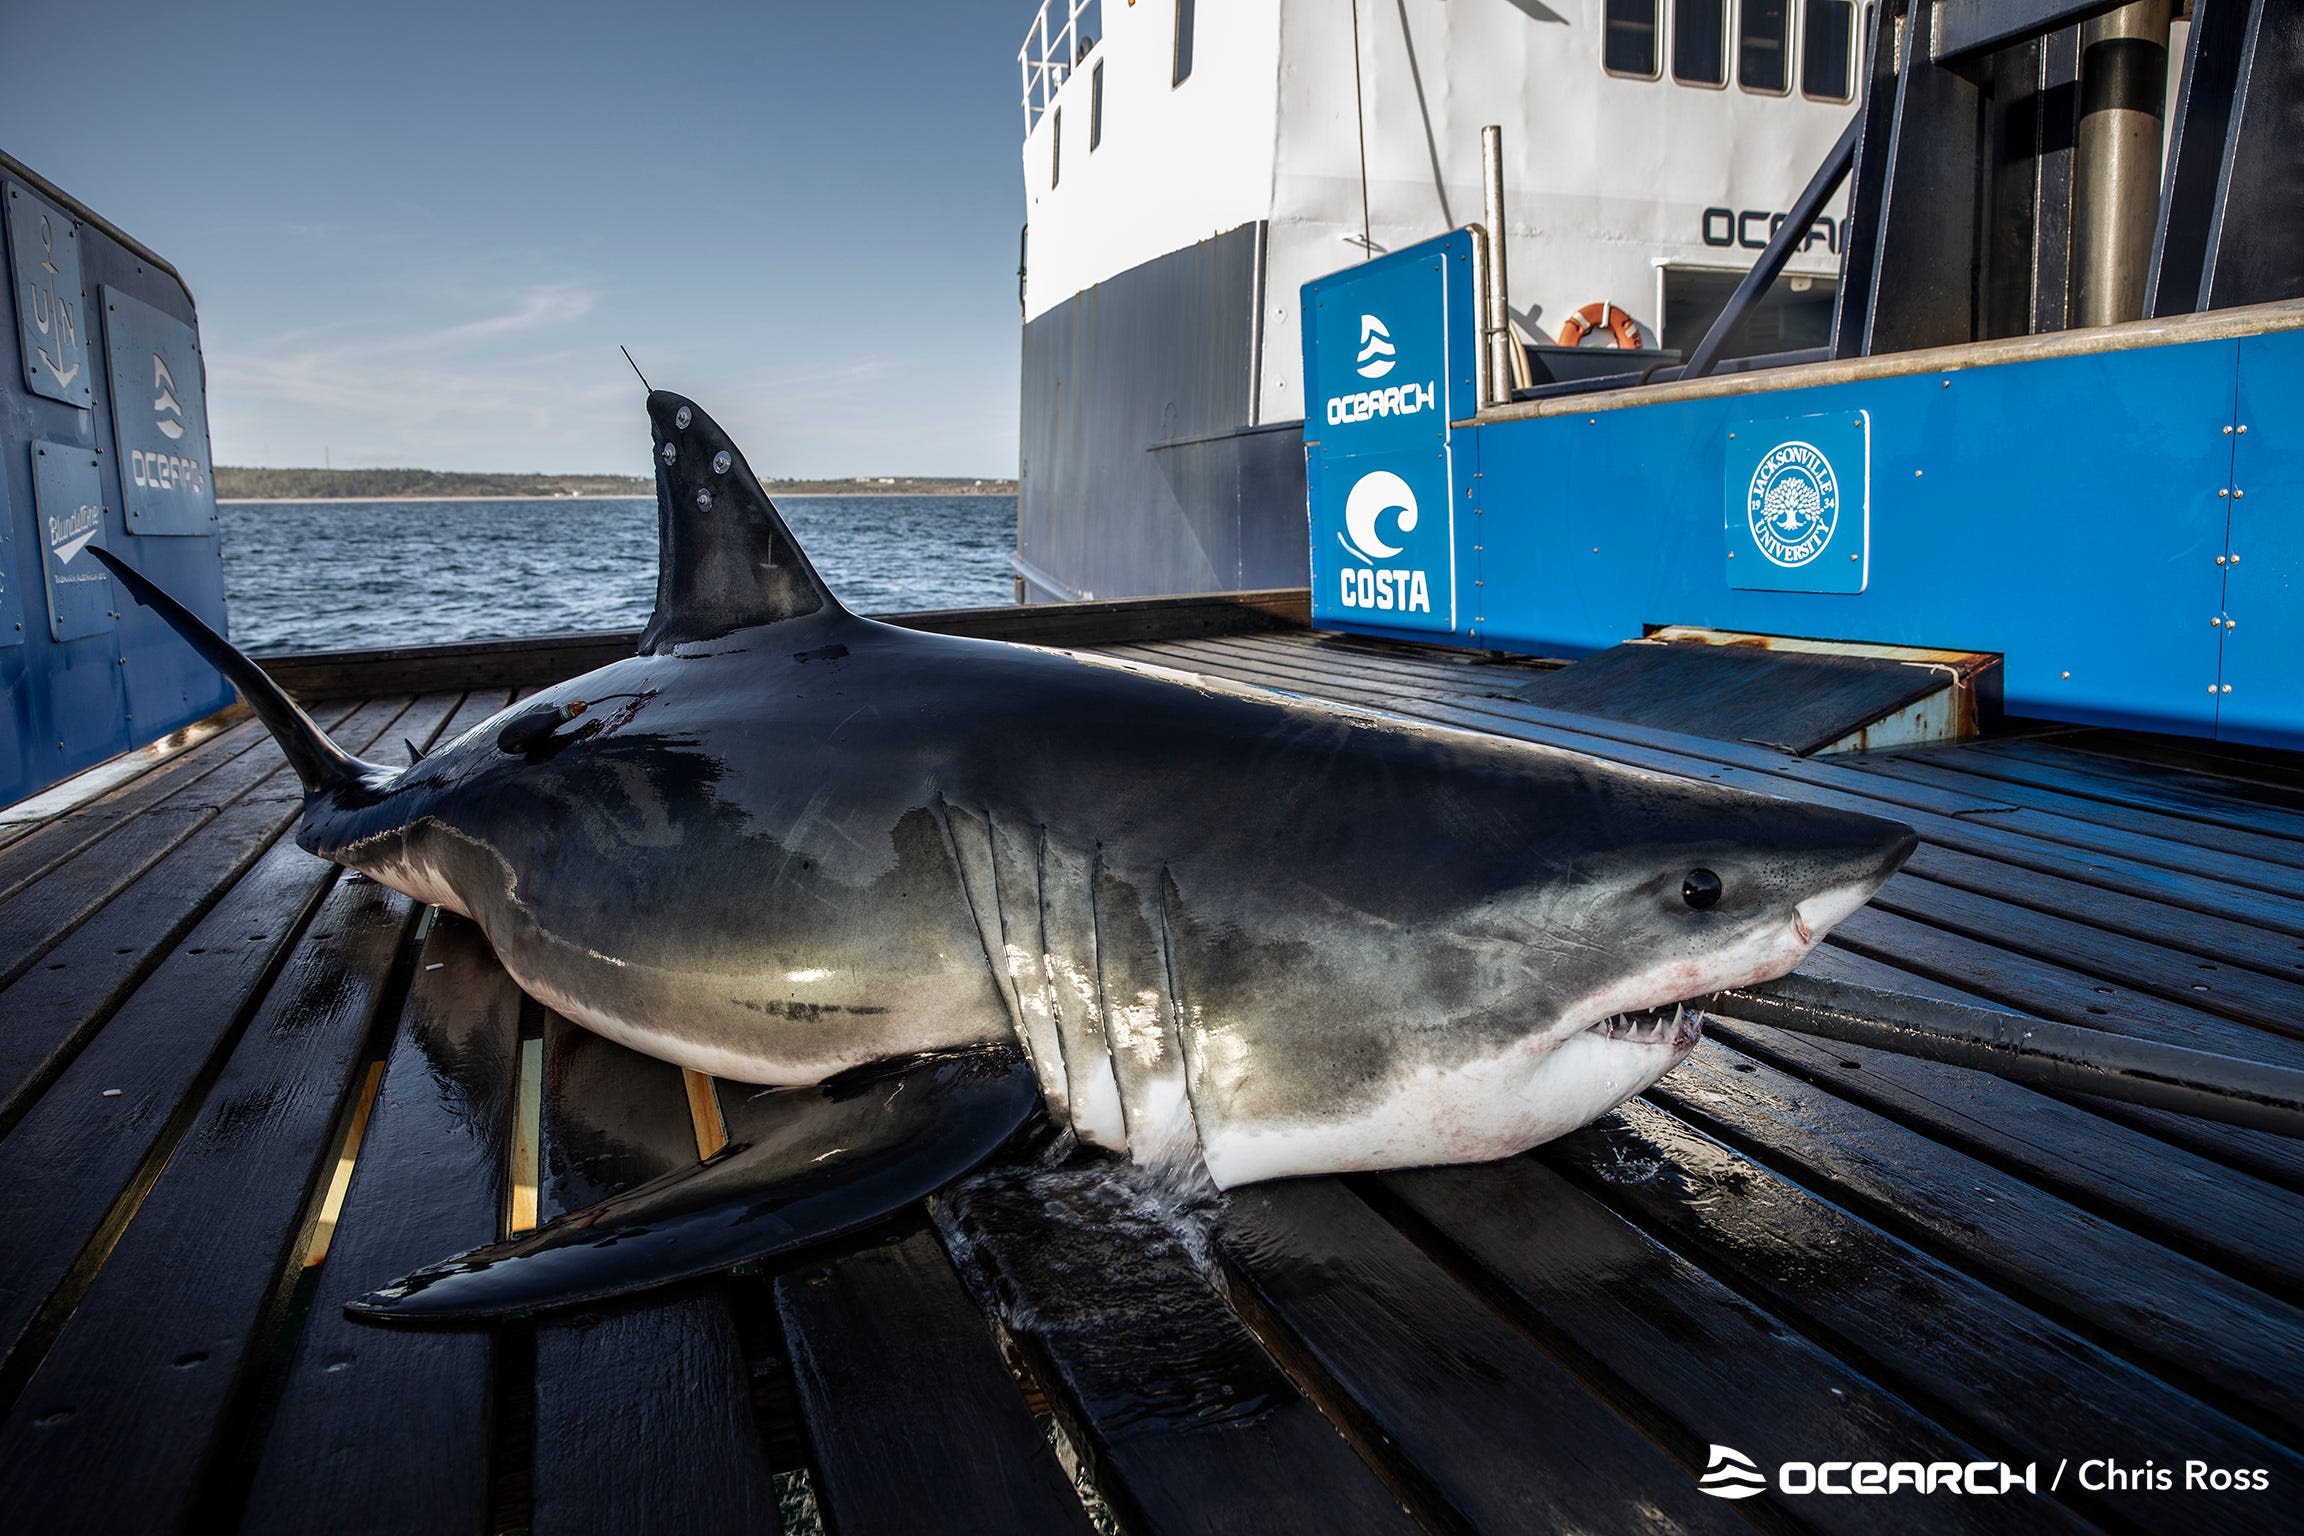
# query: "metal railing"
{"type": "Point", "coordinates": [1053, 47]}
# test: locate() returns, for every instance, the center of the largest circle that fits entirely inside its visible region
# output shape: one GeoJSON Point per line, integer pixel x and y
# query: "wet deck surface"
{"type": "Point", "coordinates": [1802, 1250]}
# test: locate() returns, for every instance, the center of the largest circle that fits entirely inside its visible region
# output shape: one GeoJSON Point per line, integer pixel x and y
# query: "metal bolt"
{"type": "Point", "coordinates": [1916, 474]}
{"type": "Point", "coordinates": [2227, 687]}
{"type": "Point", "coordinates": [704, 501]}
{"type": "Point", "coordinates": [1731, 437]}
{"type": "Point", "coordinates": [2067, 676]}
{"type": "Point", "coordinates": [2231, 623]}
{"type": "Point", "coordinates": [2237, 493]}
{"type": "Point", "coordinates": [2242, 428]}
{"type": "Point", "coordinates": [2219, 559]}
{"type": "Point", "coordinates": [2211, 687]}
{"type": "Point", "coordinates": [2235, 559]}
{"type": "Point", "coordinates": [2215, 623]}
{"type": "Point", "coordinates": [1855, 557]}
{"type": "Point", "coordinates": [683, 416]}
{"type": "Point", "coordinates": [2227, 431]}
{"type": "Point", "coordinates": [668, 452]}
{"type": "Point", "coordinates": [721, 461]}
{"type": "Point", "coordinates": [2224, 491]}
{"type": "Point", "coordinates": [1947, 383]}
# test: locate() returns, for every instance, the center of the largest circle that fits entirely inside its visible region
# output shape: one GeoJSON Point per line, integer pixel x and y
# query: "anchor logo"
{"type": "Point", "coordinates": [52, 315]}
{"type": "Point", "coordinates": [165, 382]}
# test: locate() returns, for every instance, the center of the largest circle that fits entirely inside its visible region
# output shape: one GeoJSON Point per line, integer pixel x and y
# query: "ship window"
{"type": "Point", "coordinates": [1763, 44]}
{"type": "Point", "coordinates": [1183, 71]}
{"type": "Point", "coordinates": [1700, 42]}
{"type": "Point", "coordinates": [1096, 106]}
{"type": "Point", "coordinates": [1630, 44]}
{"type": "Point", "coordinates": [1824, 67]}
{"type": "Point", "coordinates": [1055, 147]}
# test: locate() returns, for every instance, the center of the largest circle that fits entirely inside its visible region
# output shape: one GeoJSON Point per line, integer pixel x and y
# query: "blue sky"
{"type": "Point", "coordinates": [417, 231]}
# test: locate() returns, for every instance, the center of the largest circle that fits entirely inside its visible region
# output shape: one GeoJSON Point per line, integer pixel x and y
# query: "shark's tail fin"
{"type": "Point", "coordinates": [319, 762]}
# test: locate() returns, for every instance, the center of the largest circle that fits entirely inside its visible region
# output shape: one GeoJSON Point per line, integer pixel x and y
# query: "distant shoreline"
{"type": "Point", "coordinates": [286, 501]}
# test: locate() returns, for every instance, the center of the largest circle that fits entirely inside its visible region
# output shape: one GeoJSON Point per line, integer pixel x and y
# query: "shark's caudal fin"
{"type": "Point", "coordinates": [725, 560]}
{"type": "Point", "coordinates": [836, 1158]}
{"type": "Point", "coordinates": [319, 762]}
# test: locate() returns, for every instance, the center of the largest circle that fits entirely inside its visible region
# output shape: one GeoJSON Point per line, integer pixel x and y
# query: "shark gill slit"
{"type": "Point", "coordinates": [1179, 1022]}
{"type": "Point", "coordinates": [976, 868]}
{"type": "Point", "coordinates": [1129, 1131]}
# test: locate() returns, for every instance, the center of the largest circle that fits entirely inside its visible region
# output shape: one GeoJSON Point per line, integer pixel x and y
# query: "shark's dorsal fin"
{"type": "Point", "coordinates": [725, 560]}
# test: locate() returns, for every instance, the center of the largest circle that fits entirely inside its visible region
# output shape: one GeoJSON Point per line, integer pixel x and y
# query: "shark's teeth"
{"type": "Point", "coordinates": [1681, 1028]}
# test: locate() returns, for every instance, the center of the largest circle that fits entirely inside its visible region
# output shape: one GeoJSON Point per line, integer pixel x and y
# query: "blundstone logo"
{"type": "Point", "coordinates": [1376, 349]}
{"type": "Point", "coordinates": [1731, 1474]}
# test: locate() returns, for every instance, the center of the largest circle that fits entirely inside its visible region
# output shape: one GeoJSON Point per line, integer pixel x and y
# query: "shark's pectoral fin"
{"type": "Point", "coordinates": [846, 1154]}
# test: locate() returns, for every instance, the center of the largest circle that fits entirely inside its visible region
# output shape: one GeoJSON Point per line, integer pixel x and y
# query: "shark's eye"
{"type": "Point", "coordinates": [1701, 889]}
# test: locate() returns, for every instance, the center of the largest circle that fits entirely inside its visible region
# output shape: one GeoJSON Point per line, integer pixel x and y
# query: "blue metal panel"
{"type": "Point", "coordinates": [66, 704]}
{"type": "Point", "coordinates": [1797, 502]}
{"type": "Point", "coordinates": [2264, 583]}
{"type": "Point", "coordinates": [68, 497]}
{"type": "Point", "coordinates": [1389, 360]}
{"type": "Point", "coordinates": [44, 265]}
{"type": "Point", "coordinates": [11, 585]}
{"type": "Point", "coordinates": [2063, 512]}
{"type": "Point", "coordinates": [160, 418]}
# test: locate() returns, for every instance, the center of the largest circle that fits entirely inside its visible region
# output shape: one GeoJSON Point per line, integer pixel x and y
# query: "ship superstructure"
{"type": "Point", "coordinates": [1188, 167]}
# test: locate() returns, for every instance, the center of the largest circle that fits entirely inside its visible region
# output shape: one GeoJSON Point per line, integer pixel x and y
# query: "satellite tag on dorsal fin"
{"type": "Point", "coordinates": [724, 559]}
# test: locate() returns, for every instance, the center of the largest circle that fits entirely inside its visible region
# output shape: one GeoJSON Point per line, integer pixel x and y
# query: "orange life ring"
{"type": "Point", "coordinates": [1592, 316]}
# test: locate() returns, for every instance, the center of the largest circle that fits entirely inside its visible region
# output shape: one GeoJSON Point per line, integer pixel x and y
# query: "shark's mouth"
{"type": "Point", "coordinates": [1678, 1026]}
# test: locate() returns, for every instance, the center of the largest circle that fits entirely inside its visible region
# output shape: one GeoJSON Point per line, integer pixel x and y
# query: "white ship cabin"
{"type": "Point", "coordinates": [1646, 146]}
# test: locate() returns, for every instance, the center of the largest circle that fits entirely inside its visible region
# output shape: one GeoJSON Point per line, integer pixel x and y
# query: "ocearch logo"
{"type": "Point", "coordinates": [1376, 349]}
{"type": "Point", "coordinates": [1730, 1474]}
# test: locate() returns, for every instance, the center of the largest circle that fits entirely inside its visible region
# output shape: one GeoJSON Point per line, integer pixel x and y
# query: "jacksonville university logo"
{"type": "Point", "coordinates": [1374, 494]}
{"type": "Point", "coordinates": [1730, 1474]}
{"type": "Point", "coordinates": [1793, 504]}
{"type": "Point", "coordinates": [1375, 358]}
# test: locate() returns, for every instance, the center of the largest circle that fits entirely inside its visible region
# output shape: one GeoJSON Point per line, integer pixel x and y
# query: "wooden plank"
{"type": "Point", "coordinates": [77, 1162]}
{"type": "Point", "coordinates": [643, 1411]}
{"type": "Point", "coordinates": [1463, 1408]}
{"type": "Point", "coordinates": [387, 1429]}
{"type": "Point", "coordinates": [2223, 1341]}
{"type": "Point", "coordinates": [1690, 1359]}
{"type": "Point", "coordinates": [83, 790]}
{"type": "Point", "coordinates": [1187, 1423]}
{"type": "Point", "coordinates": [1993, 1372]}
{"type": "Point", "coordinates": [2243, 1226]}
{"type": "Point", "coordinates": [1766, 773]}
{"type": "Point", "coordinates": [2262, 854]}
{"type": "Point", "coordinates": [2178, 975]}
{"type": "Point", "coordinates": [2114, 911]}
{"type": "Point", "coordinates": [2222, 802]}
{"type": "Point", "coordinates": [42, 846]}
{"type": "Point", "coordinates": [131, 1401]}
{"type": "Point", "coordinates": [2051, 991]}
{"type": "Point", "coordinates": [55, 1008]}
{"type": "Point", "coordinates": [908, 1406]}
{"type": "Point", "coordinates": [544, 659]}
{"type": "Point", "coordinates": [1802, 701]}
{"type": "Point", "coordinates": [49, 906]}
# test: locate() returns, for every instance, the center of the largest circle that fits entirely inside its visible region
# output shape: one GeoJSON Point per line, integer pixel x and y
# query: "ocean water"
{"type": "Point", "coordinates": [336, 575]}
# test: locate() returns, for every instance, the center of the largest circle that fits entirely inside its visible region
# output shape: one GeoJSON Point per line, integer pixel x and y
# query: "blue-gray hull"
{"type": "Point", "coordinates": [1142, 469]}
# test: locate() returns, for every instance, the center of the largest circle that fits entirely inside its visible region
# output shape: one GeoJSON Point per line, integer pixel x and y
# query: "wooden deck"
{"type": "Point", "coordinates": [1806, 1251]}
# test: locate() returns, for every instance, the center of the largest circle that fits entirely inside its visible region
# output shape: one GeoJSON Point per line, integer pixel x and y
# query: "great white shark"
{"type": "Point", "coordinates": [954, 880]}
